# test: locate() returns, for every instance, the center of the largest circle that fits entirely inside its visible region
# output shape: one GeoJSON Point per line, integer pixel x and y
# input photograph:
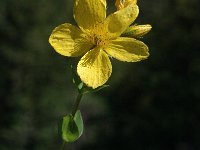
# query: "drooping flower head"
{"type": "Point", "coordinates": [96, 38]}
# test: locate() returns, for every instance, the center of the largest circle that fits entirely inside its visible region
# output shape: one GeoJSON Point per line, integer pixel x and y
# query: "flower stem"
{"type": "Point", "coordinates": [76, 104]}
{"type": "Point", "coordinates": [63, 145]}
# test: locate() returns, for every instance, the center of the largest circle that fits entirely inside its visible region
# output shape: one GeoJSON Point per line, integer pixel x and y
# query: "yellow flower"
{"type": "Point", "coordinates": [97, 38]}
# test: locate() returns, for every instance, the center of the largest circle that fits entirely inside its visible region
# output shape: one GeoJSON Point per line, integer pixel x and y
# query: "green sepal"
{"type": "Point", "coordinates": [87, 89]}
{"type": "Point", "coordinates": [76, 79]}
{"type": "Point", "coordinates": [72, 127]}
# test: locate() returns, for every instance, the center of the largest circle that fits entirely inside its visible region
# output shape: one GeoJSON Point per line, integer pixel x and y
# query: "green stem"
{"type": "Point", "coordinates": [76, 104]}
{"type": "Point", "coordinates": [63, 145]}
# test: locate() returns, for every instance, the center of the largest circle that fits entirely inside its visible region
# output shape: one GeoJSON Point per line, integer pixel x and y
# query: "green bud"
{"type": "Point", "coordinates": [137, 31]}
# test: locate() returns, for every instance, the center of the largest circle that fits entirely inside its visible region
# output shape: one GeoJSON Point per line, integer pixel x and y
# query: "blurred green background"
{"type": "Point", "coordinates": [150, 105]}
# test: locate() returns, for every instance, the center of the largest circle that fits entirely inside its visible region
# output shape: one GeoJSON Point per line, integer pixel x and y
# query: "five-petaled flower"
{"type": "Point", "coordinates": [96, 38]}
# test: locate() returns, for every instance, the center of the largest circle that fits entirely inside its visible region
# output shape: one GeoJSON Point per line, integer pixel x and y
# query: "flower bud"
{"type": "Point", "coordinates": [124, 3]}
{"type": "Point", "coordinates": [137, 31]}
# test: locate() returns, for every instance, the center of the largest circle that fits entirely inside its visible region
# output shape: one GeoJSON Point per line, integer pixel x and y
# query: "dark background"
{"type": "Point", "coordinates": [150, 105]}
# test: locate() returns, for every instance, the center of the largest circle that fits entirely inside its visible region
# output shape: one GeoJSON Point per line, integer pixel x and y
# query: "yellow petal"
{"type": "Point", "coordinates": [88, 13]}
{"type": "Point", "coordinates": [69, 40]}
{"type": "Point", "coordinates": [137, 30]}
{"type": "Point", "coordinates": [94, 68]}
{"type": "Point", "coordinates": [120, 4]}
{"type": "Point", "coordinates": [127, 49]}
{"type": "Point", "coordinates": [119, 21]}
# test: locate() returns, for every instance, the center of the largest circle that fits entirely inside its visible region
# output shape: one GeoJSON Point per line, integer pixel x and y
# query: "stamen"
{"type": "Point", "coordinates": [98, 35]}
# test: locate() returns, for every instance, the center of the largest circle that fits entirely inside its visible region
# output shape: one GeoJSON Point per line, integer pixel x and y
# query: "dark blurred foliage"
{"type": "Point", "coordinates": [150, 105]}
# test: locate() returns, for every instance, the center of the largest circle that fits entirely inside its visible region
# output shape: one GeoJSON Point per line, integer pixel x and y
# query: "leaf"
{"type": "Point", "coordinates": [70, 131]}
{"type": "Point", "coordinates": [72, 127]}
{"type": "Point", "coordinates": [79, 122]}
{"type": "Point", "coordinates": [60, 122]}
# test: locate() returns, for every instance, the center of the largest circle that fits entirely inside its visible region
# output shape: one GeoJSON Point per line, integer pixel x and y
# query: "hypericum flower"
{"type": "Point", "coordinates": [124, 3]}
{"type": "Point", "coordinates": [97, 38]}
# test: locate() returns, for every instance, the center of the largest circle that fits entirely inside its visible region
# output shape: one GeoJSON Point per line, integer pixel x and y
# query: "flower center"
{"type": "Point", "coordinates": [99, 40]}
{"type": "Point", "coordinates": [99, 36]}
